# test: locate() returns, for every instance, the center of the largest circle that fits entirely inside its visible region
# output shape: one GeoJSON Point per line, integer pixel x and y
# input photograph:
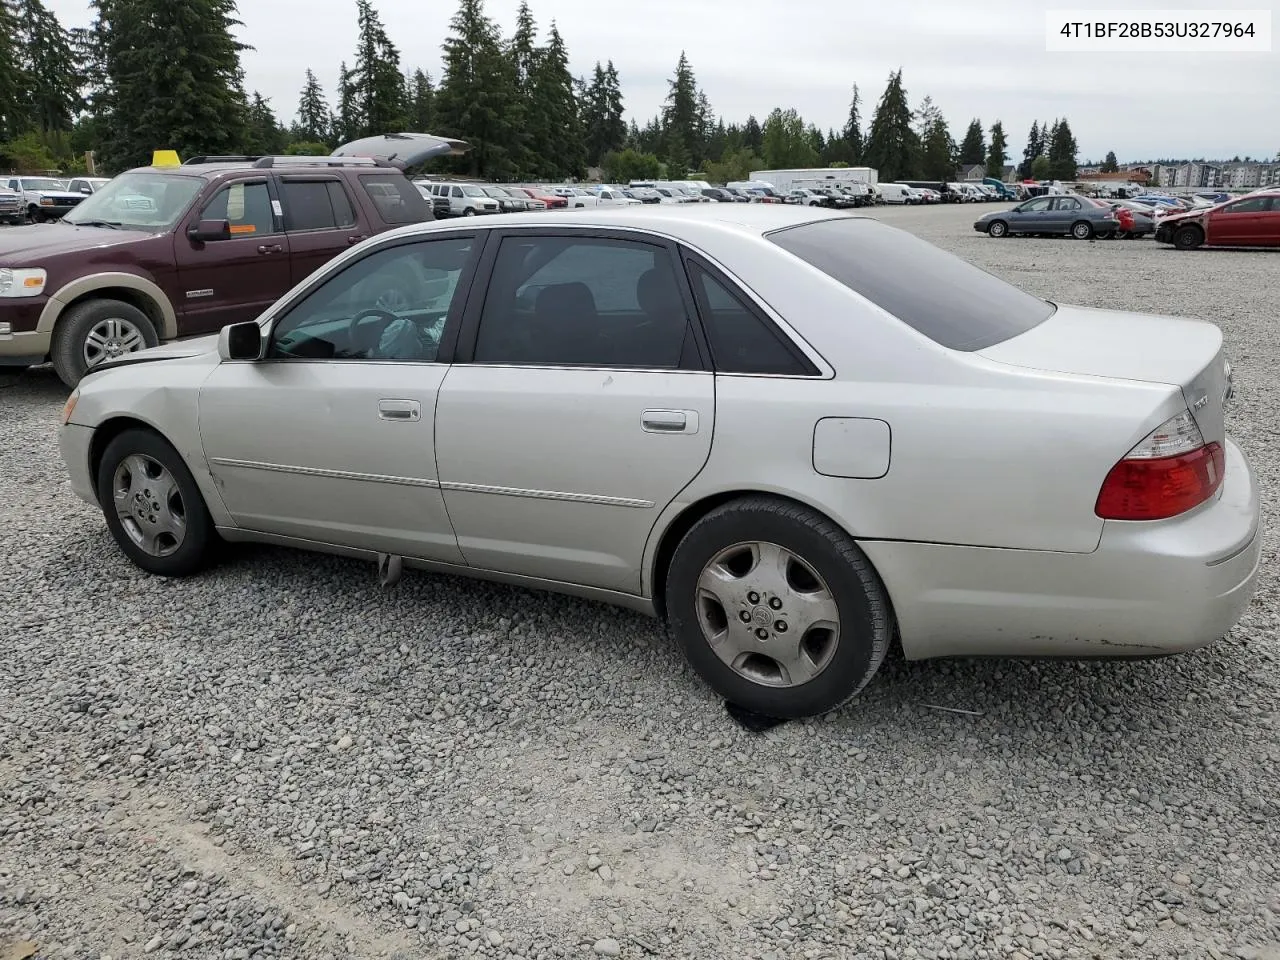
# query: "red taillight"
{"type": "Point", "coordinates": [1168, 473]}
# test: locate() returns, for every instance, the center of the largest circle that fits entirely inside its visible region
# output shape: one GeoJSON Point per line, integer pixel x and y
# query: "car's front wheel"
{"type": "Point", "coordinates": [1188, 237]}
{"type": "Point", "coordinates": [997, 228]}
{"type": "Point", "coordinates": [152, 505]}
{"type": "Point", "coordinates": [777, 608]}
{"type": "Point", "coordinates": [97, 330]}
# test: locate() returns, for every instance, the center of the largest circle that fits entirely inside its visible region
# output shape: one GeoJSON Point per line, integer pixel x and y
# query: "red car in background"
{"type": "Point", "coordinates": [1248, 221]}
{"type": "Point", "coordinates": [550, 199]}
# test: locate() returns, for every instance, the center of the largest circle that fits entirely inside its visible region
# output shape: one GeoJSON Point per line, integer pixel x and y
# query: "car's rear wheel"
{"type": "Point", "coordinates": [153, 508]}
{"type": "Point", "coordinates": [1188, 237]}
{"type": "Point", "coordinates": [997, 228]}
{"type": "Point", "coordinates": [777, 608]}
{"type": "Point", "coordinates": [1082, 230]}
{"type": "Point", "coordinates": [97, 330]}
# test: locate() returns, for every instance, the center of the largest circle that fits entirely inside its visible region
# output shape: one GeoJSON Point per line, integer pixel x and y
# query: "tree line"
{"type": "Point", "coordinates": [154, 74]}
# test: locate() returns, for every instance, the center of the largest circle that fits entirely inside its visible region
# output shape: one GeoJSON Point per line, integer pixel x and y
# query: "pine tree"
{"type": "Point", "coordinates": [523, 48]}
{"type": "Point", "coordinates": [937, 150]}
{"type": "Point", "coordinates": [752, 135]}
{"type": "Point", "coordinates": [604, 129]}
{"type": "Point", "coordinates": [892, 146]}
{"type": "Point", "coordinates": [973, 149]}
{"type": "Point", "coordinates": [421, 106]}
{"type": "Point", "coordinates": [615, 124]}
{"type": "Point", "coordinates": [47, 59]}
{"type": "Point", "coordinates": [313, 112]}
{"type": "Point", "coordinates": [477, 100]}
{"type": "Point", "coordinates": [1032, 150]}
{"type": "Point", "coordinates": [377, 80]}
{"type": "Point", "coordinates": [13, 82]}
{"type": "Point", "coordinates": [853, 128]}
{"type": "Point", "coordinates": [264, 135]}
{"type": "Point", "coordinates": [556, 129]}
{"type": "Point", "coordinates": [1110, 164]}
{"type": "Point", "coordinates": [996, 157]}
{"type": "Point", "coordinates": [172, 79]}
{"type": "Point", "coordinates": [1062, 152]}
{"type": "Point", "coordinates": [682, 117]}
{"type": "Point", "coordinates": [346, 122]}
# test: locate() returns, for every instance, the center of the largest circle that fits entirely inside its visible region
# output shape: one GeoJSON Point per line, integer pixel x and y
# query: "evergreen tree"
{"type": "Point", "coordinates": [996, 157]}
{"type": "Point", "coordinates": [682, 117]}
{"type": "Point", "coordinates": [377, 80]}
{"type": "Point", "coordinates": [264, 135]}
{"type": "Point", "coordinates": [853, 128]}
{"type": "Point", "coordinates": [523, 48]}
{"type": "Point", "coordinates": [556, 129]}
{"type": "Point", "coordinates": [477, 99]}
{"type": "Point", "coordinates": [1032, 150]}
{"type": "Point", "coordinates": [13, 83]}
{"type": "Point", "coordinates": [1062, 152]}
{"type": "Point", "coordinates": [421, 96]}
{"type": "Point", "coordinates": [787, 143]}
{"type": "Point", "coordinates": [346, 122]}
{"type": "Point", "coordinates": [47, 59]}
{"type": "Point", "coordinates": [313, 112]}
{"type": "Point", "coordinates": [817, 142]}
{"type": "Point", "coordinates": [892, 146]}
{"type": "Point", "coordinates": [1110, 165]}
{"type": "Point", "coordinates": [604, 130]}
{"type": "Point", "coordinates": [1040, 168]}
{"type": "Point", "coordinates": [752, 135]}
{"type": "Point", "coordinates": [973, 149]}
{"type": "Point", "coordinates": [172, 79]}
{"type": "Point", "coordinates": [937, 150]}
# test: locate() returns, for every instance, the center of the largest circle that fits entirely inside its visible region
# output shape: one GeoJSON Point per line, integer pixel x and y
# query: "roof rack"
{"type": "Point", "coordinates": [265, 162]}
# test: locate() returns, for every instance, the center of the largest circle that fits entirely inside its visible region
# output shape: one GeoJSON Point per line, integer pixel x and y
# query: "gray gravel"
{"type": "Point", "coordinates": [281, 759]}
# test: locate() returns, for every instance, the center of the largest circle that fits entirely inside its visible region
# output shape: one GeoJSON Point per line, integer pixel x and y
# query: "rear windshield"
{"type": "Point", "coordinates": [948, 300]}
{"type": "Point", "coordinates": [396, 199]}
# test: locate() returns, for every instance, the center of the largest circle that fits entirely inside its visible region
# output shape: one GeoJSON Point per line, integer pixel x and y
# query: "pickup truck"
{"type": "Point", "coordinates": [43, 198]}
{"type": "Point", "coordinates": [169, 251]}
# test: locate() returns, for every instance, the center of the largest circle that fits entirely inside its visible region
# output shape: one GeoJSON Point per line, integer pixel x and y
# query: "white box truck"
{"type": "Point", "coordinates": [784, 180]}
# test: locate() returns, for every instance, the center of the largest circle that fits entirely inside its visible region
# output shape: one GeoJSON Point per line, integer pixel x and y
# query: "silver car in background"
{"type": "Point", "coordinates": [753, 420]}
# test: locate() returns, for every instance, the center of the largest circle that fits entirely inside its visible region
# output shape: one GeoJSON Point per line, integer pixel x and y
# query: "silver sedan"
{"type": "Point", "coordinates": [797, 436]}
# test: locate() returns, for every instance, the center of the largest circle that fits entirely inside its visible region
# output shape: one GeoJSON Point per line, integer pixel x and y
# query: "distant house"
{"type": "Point", "coordinates": [1010, 173]}
{"type": "Point", "coordinates": [973, 172]}
{"type": "Point", "coordinates": [1138, 175]}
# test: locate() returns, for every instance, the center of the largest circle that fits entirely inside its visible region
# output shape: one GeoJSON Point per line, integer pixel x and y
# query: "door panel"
{"type": "Point", "coordinates": [228, 281]}
{"type": "Point", "coordinates": [1240, 223]}
{"type": "Point", "coordinates": [561, 473]}
{"type": "Point", "coordinates": [306, 449]}
{"type": "Point", "coordinates": [321, 221]}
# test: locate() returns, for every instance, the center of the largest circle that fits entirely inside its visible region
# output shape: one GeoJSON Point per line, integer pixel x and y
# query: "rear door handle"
{"type": "Point", "coordinates": [669, 421]}
{"type": "Point", "coordinates": [356, 239]}
{"type": "Point", "coordinates": [407, 410]}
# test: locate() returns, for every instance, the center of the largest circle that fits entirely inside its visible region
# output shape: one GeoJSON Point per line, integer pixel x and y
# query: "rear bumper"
{"type": "Point", "coordinates": [1148, 589]}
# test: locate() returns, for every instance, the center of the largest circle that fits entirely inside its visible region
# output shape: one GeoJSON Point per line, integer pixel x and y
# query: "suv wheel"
{"type": "Point", "coordinates": [97, 330]}
{"type": "Point", "coordinates": [469, 212]}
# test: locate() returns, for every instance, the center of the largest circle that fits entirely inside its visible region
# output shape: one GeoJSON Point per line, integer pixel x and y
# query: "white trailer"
{"type": "Point", "coordinates": [784, 180]}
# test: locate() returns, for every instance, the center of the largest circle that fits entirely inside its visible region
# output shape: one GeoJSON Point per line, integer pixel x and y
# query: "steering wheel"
{"type": "Point", "coordinates": [354, 336]}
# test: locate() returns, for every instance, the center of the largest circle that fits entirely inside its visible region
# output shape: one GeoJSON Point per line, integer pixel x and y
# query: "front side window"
{"type": "Point", "coordinates": [245, 206]}
{"type": "Point", "coordinates": [570, 301]}
{"type": "Point", "coordinates": [1249, 205]}
{"type": "Point", "coordinates": [1034, 206]}
{"type": "Point", "coordinates": [139, 201]}
{"type": "Point", "coordinates": [389, 305]}
{"type": "Point", "coordinates": [961, 306]}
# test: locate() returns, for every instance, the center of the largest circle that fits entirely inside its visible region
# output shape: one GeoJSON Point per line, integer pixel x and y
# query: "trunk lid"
{"type": "Point", "coordinates": [1130, 346]}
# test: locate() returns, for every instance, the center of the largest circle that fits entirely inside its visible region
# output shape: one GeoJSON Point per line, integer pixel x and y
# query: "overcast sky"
{"type": "Point", "coordinates": [985, 59]}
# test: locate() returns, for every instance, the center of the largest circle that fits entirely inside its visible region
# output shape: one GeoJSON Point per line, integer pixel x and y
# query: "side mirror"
{"type": "Point", "coordinates": [209, 231]}
{"type": "Point", "coordinates": [240, 341]}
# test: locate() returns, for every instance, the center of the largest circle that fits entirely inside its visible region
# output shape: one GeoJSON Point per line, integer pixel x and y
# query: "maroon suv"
{"type": "Point", "coordinates": [174, 251]}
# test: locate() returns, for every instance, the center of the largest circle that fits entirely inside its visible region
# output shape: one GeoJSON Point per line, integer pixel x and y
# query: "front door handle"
{"type": "Point", "coordinates": [669, 421]}
{"type": "Point", "coordinates": [356, 239]}
{"type": "Point", "coordinates": [272, 248]}
{"type": "Point", "coordinates": [404, 410]}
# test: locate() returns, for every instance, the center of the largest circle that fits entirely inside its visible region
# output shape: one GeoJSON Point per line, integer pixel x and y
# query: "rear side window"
{"type": "Point", "coordinates": [741, 340]}
{"type": "Point", "coordinates": [396, 199]}
{"type": "Point", "coordinates": [307, 205]}
{"type": "Point", "coordinates": [943, 297]}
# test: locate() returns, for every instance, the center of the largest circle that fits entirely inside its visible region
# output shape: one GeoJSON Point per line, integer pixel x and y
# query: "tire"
{"type": "Point", "coordinates": [997, 229]}
{"type": "Point", "coordinates": [125, 466]}
{"type": "Point", "coordinates": [468, 212]}
{"type": "Point", "coordinates": [1111, 235]}
{"type": "Point", "coordinates": [766, 676]}
{"type": "Point", "coordinates": [1082, 230]}
{"type": "Point", "coordinates": [34, 215]}
{"type": "Point", "coordinates": [1188, 237]}
{"type": "Point", "coordinates": [71, 350]}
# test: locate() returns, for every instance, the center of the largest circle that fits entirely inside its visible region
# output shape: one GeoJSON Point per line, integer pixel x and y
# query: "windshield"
{"type": "Point", "coordinates": [139, 201]}
{"type": "Point", "coordinates": [473, 192]}
{"type": "Point", "coordinates": [961, 307]}
{"type": "Point", "coordinates": [42, 183]}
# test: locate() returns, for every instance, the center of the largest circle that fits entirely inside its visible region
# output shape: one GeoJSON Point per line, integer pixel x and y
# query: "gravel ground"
{"type": "Point", "coordinates": [279, 758]}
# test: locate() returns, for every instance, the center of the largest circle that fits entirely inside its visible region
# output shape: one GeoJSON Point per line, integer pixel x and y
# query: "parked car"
{"type": "Point", "coordinates": [552, 201]}
{"type": "Point", "coordinates": [174, 251]}
{"type": "Point", "coordinates": [1134, 222]}
{"type": "Point", "coordinates": [809, 198]}
{"type": "Point", "coordinates": [521, 196]}
{"type": "Point", "coordinates": [43, 198]}
{"type": "Point", "coordinates": [465, 199]}
{"type": "Point", "coordinates": [1249, 221]}
{"type": "Point", "coordinates": [440, 207]}
{"type": "Point", "coordinates": [506, 202]}
{"type": "Point", "coordinates": [11, 207]}
{"type": "Point", "coordinates": [720, 195]}
{"type": "Point", "coordinates": [1056, 215]}
{"type": "Point", "coordinates": [423, 434]}
{"type": "Point", "coordinates": [643, 194]}
{"type": "Point", "coordinates": [87, 185]}
{"type": "Point", "coordinates": [896, 193]}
